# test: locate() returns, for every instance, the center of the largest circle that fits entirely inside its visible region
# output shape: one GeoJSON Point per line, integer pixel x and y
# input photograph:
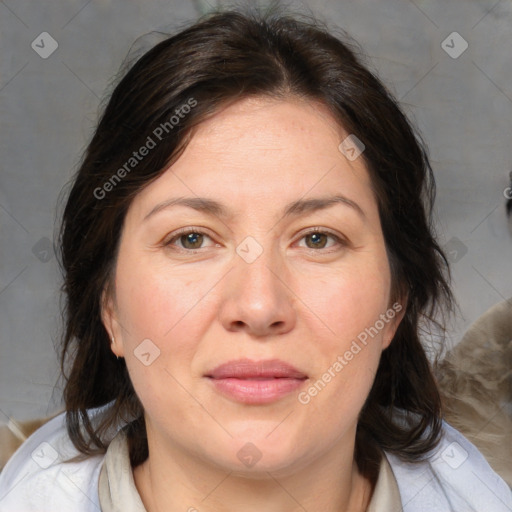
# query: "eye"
{"type": "Point", "coordinates": [188, 238]}
{"type": "Point", "coordinates": [317, 238]}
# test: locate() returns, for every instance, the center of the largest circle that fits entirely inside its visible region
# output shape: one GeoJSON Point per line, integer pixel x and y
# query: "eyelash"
{"type": "Point", "coordinates": [185, 231]}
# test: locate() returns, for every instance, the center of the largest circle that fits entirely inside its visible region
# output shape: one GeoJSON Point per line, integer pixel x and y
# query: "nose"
{"type": "Point", "coordinates": [257, 299]}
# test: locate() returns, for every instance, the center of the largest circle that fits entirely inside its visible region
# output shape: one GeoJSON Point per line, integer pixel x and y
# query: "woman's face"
{"type": "Point", "coordinates": [252, 322]}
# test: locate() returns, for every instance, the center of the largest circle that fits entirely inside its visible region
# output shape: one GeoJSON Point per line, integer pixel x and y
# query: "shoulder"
{"type": "Point", "coordinates": [454, 477]}
{"type": "Point", "coordinates": [38, 477]}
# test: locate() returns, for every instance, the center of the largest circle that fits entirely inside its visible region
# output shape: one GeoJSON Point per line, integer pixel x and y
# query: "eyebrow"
{"type": "Point", "coordinates": [294, 209]}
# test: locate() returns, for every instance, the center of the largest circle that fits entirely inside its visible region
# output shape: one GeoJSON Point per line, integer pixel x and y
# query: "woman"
{"type": "Point", "coordinates": [247, 255]}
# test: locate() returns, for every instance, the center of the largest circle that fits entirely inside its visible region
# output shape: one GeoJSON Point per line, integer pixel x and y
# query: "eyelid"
{"type": "Point", "coordinates": [185, 231]}
{"type": "Point", "coordinates": [340, 240]}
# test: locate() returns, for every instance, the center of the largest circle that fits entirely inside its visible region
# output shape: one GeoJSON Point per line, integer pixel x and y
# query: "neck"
{"type": "Point", "coordinates": [172, 479]}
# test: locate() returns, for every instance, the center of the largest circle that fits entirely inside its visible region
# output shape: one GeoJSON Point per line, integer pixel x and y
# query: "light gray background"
{"type": "Point", "coordinates": [48, 109]}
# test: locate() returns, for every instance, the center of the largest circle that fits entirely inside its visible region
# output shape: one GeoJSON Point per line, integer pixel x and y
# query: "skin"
{"type": "Point", "coordinates": [202, 305]}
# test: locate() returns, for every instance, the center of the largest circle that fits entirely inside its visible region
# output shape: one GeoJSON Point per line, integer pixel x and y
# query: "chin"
{"type": "Point", "coordinates": [255, 456]}
{"type": "Point", "coordinates": [279, 465]}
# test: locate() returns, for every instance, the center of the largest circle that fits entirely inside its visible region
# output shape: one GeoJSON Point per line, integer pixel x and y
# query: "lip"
{"type": "Point", "coordinates": [256, 382]}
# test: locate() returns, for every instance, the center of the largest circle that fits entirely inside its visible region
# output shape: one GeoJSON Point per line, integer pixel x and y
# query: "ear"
{"type": "Point", "coordinates": [109, 317]}
{"type": "Point", "coordinates": [395, 313]}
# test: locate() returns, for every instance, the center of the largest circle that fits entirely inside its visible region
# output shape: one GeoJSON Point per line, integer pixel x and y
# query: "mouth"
{"type": "Point", "coordinates": [256, 382]}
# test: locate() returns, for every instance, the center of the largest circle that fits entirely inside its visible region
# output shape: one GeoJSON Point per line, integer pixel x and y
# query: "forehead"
{"type": "Point", "coordinates": [259, 152]}
{"type": "Point", "coordinates": [265, 123]}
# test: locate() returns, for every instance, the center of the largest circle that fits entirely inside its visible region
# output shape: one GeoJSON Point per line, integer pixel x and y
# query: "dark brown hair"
{"type": "Point", "coordinates": [224, 57]}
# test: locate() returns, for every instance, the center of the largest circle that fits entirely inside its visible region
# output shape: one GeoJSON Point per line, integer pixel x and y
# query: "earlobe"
{"type": "Point", "coordinates": [398, 311]}
{"type": "Point", "coordinates": [110, 322]}
{"type": "Point", "coordinates": [112, 345]}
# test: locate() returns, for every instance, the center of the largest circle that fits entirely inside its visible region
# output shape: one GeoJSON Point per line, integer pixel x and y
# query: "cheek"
{"type": "Point", "coordinates": [349, 302]}
{"type": "Point", "coordinates": [156, 303]}
{"type": "Point", "coordinates": [169, 310]}
{"type": "Point", "coordinates": [347, 311]}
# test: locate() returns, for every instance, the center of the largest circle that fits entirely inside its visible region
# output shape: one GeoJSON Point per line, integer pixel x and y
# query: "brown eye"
{"type": "Point", "coordinates": [322, 239]}
{"type": "Point", "coordinates": [187, 239]}
{"type": "Point", "coordinates": [318, 240]}
{"type": "Point", "coordinates": [191, 240]}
